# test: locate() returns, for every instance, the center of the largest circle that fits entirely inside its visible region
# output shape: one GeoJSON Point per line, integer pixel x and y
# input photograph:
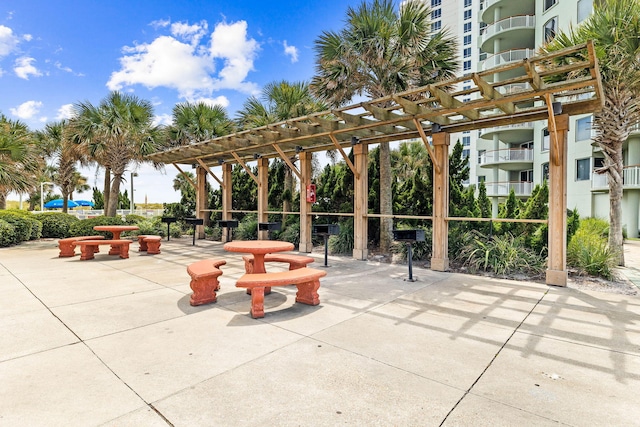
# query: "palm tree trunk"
{"type": "Point", "coordinates": [113, 195]}
{"type": "Point", "coordinates": [3, 201]}
{"type": "Point", "coordinates": [615, 175]}
{"type": "Point", "coordinates": [288, 191]}
{"type": "Point", "coordinates": [107, 189]}
{"type": "Point", "coordinates": [386, 199]}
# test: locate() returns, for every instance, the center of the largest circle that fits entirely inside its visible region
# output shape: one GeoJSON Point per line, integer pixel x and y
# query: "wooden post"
{"type": "Point", "coordinates": [557, 261]}
{"type": "Point", "coordinates": [306, 244]}
{"type": "Point", "coordinates": [201, 199]}
{"type": "Point", "coordinates": [360, 202]}
{"type": "Point", "coordinates": [263, 195]}
{"type": "Point", "coordinates": [440, 244]}
{"type": "Point", "coordinates": [227, 184]}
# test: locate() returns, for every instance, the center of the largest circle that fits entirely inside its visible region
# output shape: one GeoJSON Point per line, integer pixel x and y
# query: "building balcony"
{"type": "Point", "coordinates": [514, 32]}
{"type": "Point", "coordinates": [630, 179]}
{"type": "Point", "coordinates": [507, 8]}
{"type": "Point", "coordinates": [506, 57]}
{"type": "Point", "coordinates": [502, 189]}
{"type": "Point", "coordinates": [510, 134]}
{"type": "Point", "coordinates": [509, 159]}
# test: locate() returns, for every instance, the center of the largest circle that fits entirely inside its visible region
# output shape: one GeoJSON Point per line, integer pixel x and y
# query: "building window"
{"type": "Point", "coordinates": [481, 154]}
{"type": "Point", "coordinates": [435, 3]}
{"type": "Point", "coordinates": [466, 66]}
{"type": "Point", "coordinates": [467, 14]}
{"type": "Point", "coordinates": [466, 140]}
{"type": "Point", "coordinates": [466, 153]}
{"type": "Point", "coordinates": [436, 26]}
{"type": "Point", "coordinates": [467, 52]}
{"type": "Point", "coordinates": [583, 169]}
{"type": "Point", "coordinates": [546, 140]}
{"type": "Point", "coordinates": [482, 178]}
{"type": "Point", "coordinates": [585, 7]}
{"type": "Point", "coordinates": [545, 171]}
{"type": "Point", "coordinates": [583, 129]}
{"type": "Point", "coordinates": [467, 3]}
{"type": "Point", "coordinates": [436, 14]}
{"type": "Point", "coordinates": [598, 163]}
{"type": "Point", "coordinates": [526, 176]}
{"type": "Point", "coordinates": [467, 40]}
{"type": "Point", "coordinates": [550, 29]}
{"type": "Point", "coordinates": [547, 3]}
{"type": "Point", "coordinates": [467, 27]}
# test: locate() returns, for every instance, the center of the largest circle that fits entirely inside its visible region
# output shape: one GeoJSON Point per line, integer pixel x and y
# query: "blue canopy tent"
{"type": "Point", "coordinates": [84, 203]}
{"type": "Point", "coordinates": [57, 204]}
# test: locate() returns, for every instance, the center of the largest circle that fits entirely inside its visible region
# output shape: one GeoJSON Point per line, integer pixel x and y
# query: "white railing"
{"type": "Point", "coordinates": [90, 213]}
{"type": "Point", "coordinates": [508, 155]}
{"type": "Point", "coordinates": [519, 126]}
{"type": "Point", "coordinates": [513, 88]}
{"type": "Point", "coordinates": [520, 188]}
{"type": "Point", "coordinates": [506, 57]}
{"type": "Point", "coordinates": [630, 179]}
{"type": "Point", "coordinates": [510, 23]}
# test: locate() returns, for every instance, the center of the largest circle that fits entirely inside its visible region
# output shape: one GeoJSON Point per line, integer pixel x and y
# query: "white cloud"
{"type": "Point", "coordinates": [223, 101]}
{"type": "Point", "coordinates": [65, 112]}
{"type": "Point", "coordinates": [27, 37]}
{"type": "Point", "coordinates": [179, 61]}
{"type": "Point", "coordinates": [160, 23]}
{"type": "Point", "coordinates": [24, 68]}
{"type": "Point", "coordinates": [162, 119]}
{"type": "Point", "coordinates": [230, 43]}
{"type": "Point", "coordinates": [291, 51]}
{"type": "Point", "coordinates": [8, 41]}
{"type": "Point", "coordinates": [26, 110]}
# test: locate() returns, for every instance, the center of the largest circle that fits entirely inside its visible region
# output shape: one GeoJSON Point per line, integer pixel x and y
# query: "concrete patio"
{"type": "Point", "coordinates": [115, 342]}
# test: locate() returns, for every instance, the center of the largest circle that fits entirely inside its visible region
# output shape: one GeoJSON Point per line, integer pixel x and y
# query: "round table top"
{"type": "Point", "coordinates": [258, 246]}
{"type": "Point", "coordinates": [116, 227]}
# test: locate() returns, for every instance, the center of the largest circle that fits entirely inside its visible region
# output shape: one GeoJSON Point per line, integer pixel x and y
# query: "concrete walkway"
{"type": "Point", "coordinates": [115, 342]}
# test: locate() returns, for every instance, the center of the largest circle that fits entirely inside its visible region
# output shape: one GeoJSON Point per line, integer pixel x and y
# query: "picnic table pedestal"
{"type": "Point", "coordinates": [115, 230]}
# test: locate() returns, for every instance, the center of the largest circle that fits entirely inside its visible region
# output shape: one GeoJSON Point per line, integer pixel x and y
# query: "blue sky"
{"type": "Point", "coordinates": [55, 53]}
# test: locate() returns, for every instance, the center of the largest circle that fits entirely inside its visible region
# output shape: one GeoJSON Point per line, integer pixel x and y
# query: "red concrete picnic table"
{"type": "Point", "coordinates": [115, 230]}
{"type": "Point", "coordinates": [259, 248]}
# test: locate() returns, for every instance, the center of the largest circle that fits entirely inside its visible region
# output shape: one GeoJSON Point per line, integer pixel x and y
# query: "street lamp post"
{"type": "Point", "coordinates": [131, 199]}
{"type": "Point", "coordinates": [42, 194]}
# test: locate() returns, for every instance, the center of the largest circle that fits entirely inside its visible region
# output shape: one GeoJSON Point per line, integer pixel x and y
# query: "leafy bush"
{"type": "Point", "coordinates": [248, 228]}
{"type": "Point", "coordinates": [36, 226]}
{"type": "Point", "coordinates": [343, 243]}
{"type": "Point", "coordinates": [133, 219]}
{"type": "Point", "coordinates": [291, 233]}
{"type": "Point", "coordinates": [22, 226]}
{"type": "Point", "coordinates": [503, 255]}
{"type": "Point", "coordinates": [85, 227]}
{"type": "Point", "coordinates": [7, 234]}
{"type": "Point", "coordinates": [55, 224]}
{"type": "Point", "coordinates": [214, 232]}
{"type": "Point", "coordinates": [588, 250]}
{"type": "Point", "coordinates": [419, 250]}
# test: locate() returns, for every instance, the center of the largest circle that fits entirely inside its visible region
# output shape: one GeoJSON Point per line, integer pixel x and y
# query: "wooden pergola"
{"type": "Point", "coordinates": [540, 90]}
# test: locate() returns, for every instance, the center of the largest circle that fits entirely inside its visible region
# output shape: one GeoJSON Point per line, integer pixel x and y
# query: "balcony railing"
{"type": "Point", "coordinates": [520, 188]}
{"type": "Point", "coordinates": [508, 155]}
{"type": "Point", "coordinates": [510, 23]}
{"type": "Point", "coordinates": [519, 126]}
{"type": "Point", "coordinates": [630, 179]}
{"type": "Point", "coordinates": [506, 57]}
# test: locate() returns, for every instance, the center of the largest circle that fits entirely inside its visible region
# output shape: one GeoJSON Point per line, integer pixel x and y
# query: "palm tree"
{"type": "Point", "coordinates": [196, 122]}
{"type": "Point", "coordinates": [56, 143]}
{"type": "Point", "coordinates": [116, 133]}
{"type": "Point", "coordinates": [278, 102]}
{"type": "Point", "coordinates": [614, 27]}
{"type": "Point", "coordinates": [19, 162]}
{"type": "Point", "coordinates": [380, 52]}
{"type": "Point", "coordinates": [79, 184]}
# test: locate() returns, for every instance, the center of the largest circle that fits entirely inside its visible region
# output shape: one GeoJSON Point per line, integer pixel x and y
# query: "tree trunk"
{"type": "Point", "coordinates": [288, 191]}
{"type": "Point", "coordinates": [3, 201]}
{"type": "Point", "coordinates": [615, 175]}
{"type": "Point", "coordinates": [107, 190]}
{"type": "Point", "coordinates": [386, 198]}
{"type": "Point", "coordinates": [113, 195]}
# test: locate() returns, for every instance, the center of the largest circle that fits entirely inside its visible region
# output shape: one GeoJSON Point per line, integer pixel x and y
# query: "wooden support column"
{"type": "Point", "coordinates": [440, 244]}
{"type": "Point", "coordinates": [201, 199]}
{"type": "Point", "coordinates": [557, 262]}
{"type": "Point", "coordinates": [306, 244]}
{"type": "Point", "coordinates": [360, 202]}
{"type": "Point", "coordinates": [263, 195]}
{"type": "Point", "coordinates": [227, 201]}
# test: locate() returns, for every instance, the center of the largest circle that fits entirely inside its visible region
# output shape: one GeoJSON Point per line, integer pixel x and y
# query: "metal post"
{"type": "Point", "coordinates": [326, 249]}
{"type": "Point", "coordinates": [131, 207]}
{"type": "Point", "coordinates": [410, 256]}
{"type": "Point", "coordinates": [168, 231]}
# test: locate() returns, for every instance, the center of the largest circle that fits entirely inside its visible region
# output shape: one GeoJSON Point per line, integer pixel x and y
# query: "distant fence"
{"type": "Point", "coordinates": [90, 213]}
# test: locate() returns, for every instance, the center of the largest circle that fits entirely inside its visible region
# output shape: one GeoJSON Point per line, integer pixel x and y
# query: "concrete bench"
{"type": "Point", "coordinates": [67, 249]}
{"type": "Point", "coordinates": [204, 280]}
{"type": "Point", "coordinates": [149, 244]}
{"type": "Point", "coordinates": [306, 279]}
{"type": "Point", "coordinates": [295, 261]}
{"type": "Point", "coordinates": [89, 247]}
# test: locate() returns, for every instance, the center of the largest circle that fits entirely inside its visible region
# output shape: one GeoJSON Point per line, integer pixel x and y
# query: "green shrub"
{"type": "Point", "coordinates": [503, 255]}
{"type": "Point", "coordinates": [132, 219]}
{"type": "Point", "coordinates": [55, 224]}
{"type": "Point", "coordinates": [588, 250]}
{"type": "Point", "coordinates": [7, 234]}
{"type": "Point", "coordinates": [85, 227]}
{"type": "Point", "coordinates": [291, 233]}
{"type": "Point", "coordinates": [248, 228]}
{"type": "Point", "coordinates": [22, 225]}
{"type": "Point", "coordinates": [214, 232]}
{"type": "Point", "coordinates": [343, 243]}
{"type": "Point", "coordinates": [36, 226]}
{"type": "Point", "coordinates": [419, 250]}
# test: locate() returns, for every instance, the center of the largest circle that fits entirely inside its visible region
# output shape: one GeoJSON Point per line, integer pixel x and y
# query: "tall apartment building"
{"type": "Point", "coordinates": [496, 32]}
